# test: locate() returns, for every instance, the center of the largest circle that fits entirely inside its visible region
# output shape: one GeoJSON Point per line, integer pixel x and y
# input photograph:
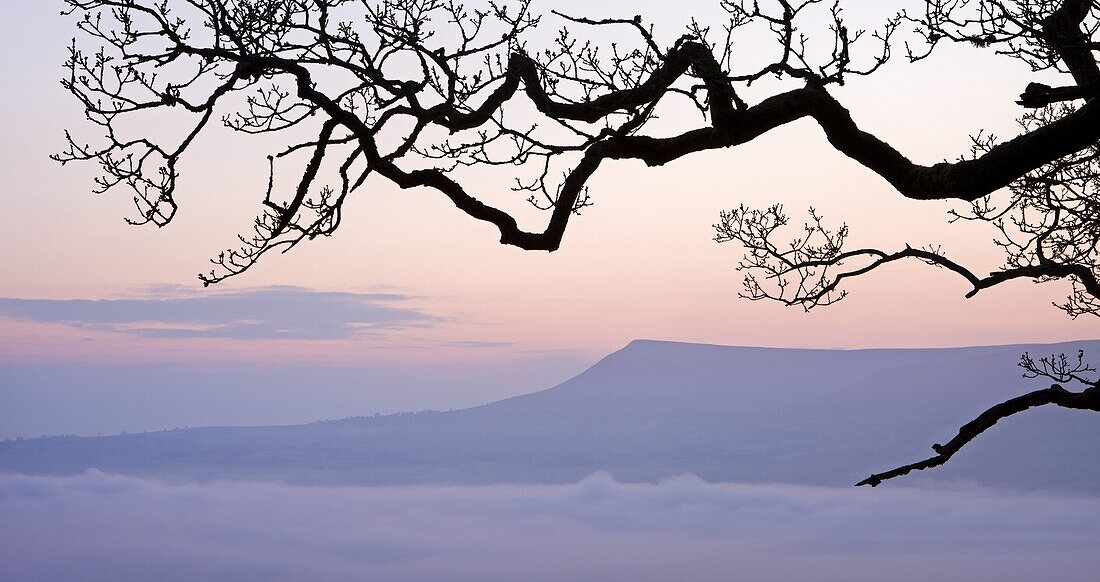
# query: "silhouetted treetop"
{"type": "Point", "coordinates": [408, 90]}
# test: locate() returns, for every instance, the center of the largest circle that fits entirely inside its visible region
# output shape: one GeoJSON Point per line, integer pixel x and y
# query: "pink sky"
{"type": "Point", "coordinates": [638, 264]}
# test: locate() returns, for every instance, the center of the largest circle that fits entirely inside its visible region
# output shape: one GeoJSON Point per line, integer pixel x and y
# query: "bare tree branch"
{"type": "Point", "coordinates": [467, 65]}
{"type": "Point", "coordinates": [409, 91]}
{"type": "Point", "coordinates": [1054, 395]}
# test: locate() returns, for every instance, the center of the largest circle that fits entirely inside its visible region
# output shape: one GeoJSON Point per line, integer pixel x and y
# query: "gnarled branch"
{"type": "Point", "coordinates": [599, 102]}
{"type": "Point", "coordinates": [1089, 399]}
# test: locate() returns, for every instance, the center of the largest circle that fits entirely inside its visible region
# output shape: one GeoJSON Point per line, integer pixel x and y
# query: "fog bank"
{"type": "Point", "coordinates": [102, 527]}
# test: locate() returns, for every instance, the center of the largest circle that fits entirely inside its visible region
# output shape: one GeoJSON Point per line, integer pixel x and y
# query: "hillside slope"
{"type": "Point", "coordinates": [647, 412]}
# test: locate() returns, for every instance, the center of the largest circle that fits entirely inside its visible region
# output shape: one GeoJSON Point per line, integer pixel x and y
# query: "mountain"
{"type": "Point", "coordinates": [649, 411]}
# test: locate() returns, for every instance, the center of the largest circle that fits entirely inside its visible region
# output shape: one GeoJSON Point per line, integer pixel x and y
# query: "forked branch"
{"type": "Point", "coordinates": [1059, 368]}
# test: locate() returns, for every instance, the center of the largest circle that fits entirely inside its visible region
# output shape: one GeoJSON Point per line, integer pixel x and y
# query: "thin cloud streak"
{"type": "Point", "coordinates": [254, 314]}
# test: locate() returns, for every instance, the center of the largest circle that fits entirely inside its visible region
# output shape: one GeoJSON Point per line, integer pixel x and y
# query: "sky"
{"type": "Point", "coordinates": [409, 283]}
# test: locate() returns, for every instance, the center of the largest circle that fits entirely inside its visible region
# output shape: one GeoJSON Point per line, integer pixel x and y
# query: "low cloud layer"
{"type": "Point", "coordinates": [264, 313]}
{"type": "Point", "coordinates": [101, 527]}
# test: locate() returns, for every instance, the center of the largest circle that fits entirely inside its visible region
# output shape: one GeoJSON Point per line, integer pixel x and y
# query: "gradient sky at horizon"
{"type": "Point", "coordinates": [640, 263]}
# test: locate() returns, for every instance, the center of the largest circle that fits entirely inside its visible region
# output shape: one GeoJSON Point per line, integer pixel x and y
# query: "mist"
{"type": "Point", "coordinates": [102, 527]}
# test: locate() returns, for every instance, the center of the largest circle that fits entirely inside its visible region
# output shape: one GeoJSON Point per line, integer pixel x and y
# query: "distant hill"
{"type": "Point", "coordinates": [650, 411]}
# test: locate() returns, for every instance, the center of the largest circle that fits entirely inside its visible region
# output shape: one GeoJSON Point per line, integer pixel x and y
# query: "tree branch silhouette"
{"type": "Point", "coordinates": [409, 92]}
{"type": "Point", "coordinates": [1059, 368]}
{"type": "Point", "coordinates": [458, 77]}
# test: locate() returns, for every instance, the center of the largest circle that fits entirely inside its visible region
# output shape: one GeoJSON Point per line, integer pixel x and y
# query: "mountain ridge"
{"type": "Point", "coordinates": [648, 411]}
